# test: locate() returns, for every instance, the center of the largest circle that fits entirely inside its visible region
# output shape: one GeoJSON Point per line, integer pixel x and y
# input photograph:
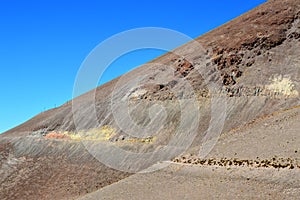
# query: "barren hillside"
{"type": "Point", "coordinates": [230, 81]}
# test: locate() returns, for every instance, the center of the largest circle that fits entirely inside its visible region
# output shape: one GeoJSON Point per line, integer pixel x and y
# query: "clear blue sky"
{"type": "Point", "coordinates": [43, 43]}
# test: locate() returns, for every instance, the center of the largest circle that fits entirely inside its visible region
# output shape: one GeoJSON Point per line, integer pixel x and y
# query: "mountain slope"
{"type": "Point", "coordinates": [242, 74]}
{"type": "Point", "coordinates": [245, 52]}
{"type": "Point", "coordinates": [259, 161]}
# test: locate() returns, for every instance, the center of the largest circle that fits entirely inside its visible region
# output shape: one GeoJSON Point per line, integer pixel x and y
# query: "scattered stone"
{"type": "Point", "coordinates": [277, 163]}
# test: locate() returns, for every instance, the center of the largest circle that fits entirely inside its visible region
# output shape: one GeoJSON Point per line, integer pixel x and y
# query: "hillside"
{"type": "Point", "coordinates": [253, 45]}
{"type": "Point", "coordinates": [212, 95]}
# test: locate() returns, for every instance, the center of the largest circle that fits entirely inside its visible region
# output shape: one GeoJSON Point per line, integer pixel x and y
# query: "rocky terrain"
{"type": "Point", "coordinates": [236, 86]}
{"type": "Point", "coordinates": [41, 169]}
{"type": "Point", "coordinates": [260, 160]}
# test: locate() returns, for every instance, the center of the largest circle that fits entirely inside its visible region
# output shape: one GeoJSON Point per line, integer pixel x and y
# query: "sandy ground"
{"type": "Point", "coordinates": [180, 181]}
{"type": "Point", "coordinates": [275, 136]}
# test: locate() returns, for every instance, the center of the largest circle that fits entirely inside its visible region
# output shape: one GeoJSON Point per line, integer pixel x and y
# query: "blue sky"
{"type": "Point", "coordinates": [43, 43]}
